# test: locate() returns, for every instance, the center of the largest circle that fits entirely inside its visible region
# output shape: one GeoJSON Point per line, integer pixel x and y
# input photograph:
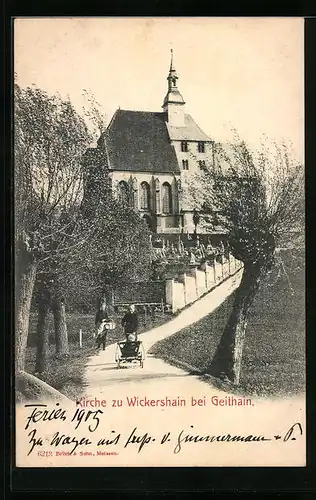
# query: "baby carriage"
{"type": "Point", "coordinates": [109, 325]}
{"type": "Point", "coordinates": [103, 328]}
{"type": "Point", "coordinates": [130, 351]}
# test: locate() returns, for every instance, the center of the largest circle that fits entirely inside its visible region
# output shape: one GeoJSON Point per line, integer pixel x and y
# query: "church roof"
{"type": "Point", "coordinates": [190, 132]}
{"type": "Point", "coordinates": [138, 141]}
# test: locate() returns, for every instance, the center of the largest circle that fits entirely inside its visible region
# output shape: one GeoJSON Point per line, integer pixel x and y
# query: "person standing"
{"type": "Point", "coordinates": [130, 323]}
{"type": "Point", "coordinates": [100, 318]}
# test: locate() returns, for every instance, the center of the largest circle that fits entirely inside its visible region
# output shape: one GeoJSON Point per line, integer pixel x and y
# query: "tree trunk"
{"type": "Point", "coordinates": [226, 363]}
{"type": "Point", "coordinates": [42, 335]}
{"type": "Point", "coordinates": [61, 333]}
{"type": "Point", "coordinates": [25, 280]}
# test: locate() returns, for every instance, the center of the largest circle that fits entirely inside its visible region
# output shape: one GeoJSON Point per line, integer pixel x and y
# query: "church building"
{"type": "Point", "coordinates": [152, 157]}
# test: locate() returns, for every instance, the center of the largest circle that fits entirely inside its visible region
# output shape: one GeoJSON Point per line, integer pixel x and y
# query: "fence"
{"type": "Point", "coordinates": [141, 292]}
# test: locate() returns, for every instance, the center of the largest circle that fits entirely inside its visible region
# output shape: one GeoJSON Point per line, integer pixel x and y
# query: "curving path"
{"type": "Point", "coordinates": [102, 373]}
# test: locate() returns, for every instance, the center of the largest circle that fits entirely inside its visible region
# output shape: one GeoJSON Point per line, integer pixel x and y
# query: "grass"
{"type": "Point", "coordinates": [274, 352]}
{"type": "Point", "coordinates": [67, 374]}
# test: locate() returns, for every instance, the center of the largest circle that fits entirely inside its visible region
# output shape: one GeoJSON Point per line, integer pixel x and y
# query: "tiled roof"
{"type": "Point", "coordinates": [190, 132]}
{"type": "Point", "coordinates": [138, 141]}
{"type": "Point", "coordinates": [174, 96]}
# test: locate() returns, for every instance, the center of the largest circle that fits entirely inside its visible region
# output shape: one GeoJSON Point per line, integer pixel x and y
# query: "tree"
{"type": "Point", "coordinates": [42, 332]}
{"type": "Point", "coordinates": [119, 252]}
{"type": "Point", "coordinates": [94, 113]}
{"type": "Point", "coordinates": [258, 199]}
{"type": "Point", "coordinates": [49, 141]}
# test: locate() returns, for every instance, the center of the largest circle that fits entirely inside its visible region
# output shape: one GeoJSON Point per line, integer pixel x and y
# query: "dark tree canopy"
{"type": "Point", "coordinates": [118, 251]}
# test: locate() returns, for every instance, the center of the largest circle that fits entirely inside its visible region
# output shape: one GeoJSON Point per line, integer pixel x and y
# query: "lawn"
{"type": "Point", "coordinates": [274, 352]}
{"type": "Point", "coordinates": [67, 374]}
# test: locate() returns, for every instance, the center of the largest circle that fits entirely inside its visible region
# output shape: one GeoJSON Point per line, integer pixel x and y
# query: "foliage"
{"type": "Point", "coordinates": [257, 197]}
{"type": "Point", "coordinates": [117, 251]}
{"type": "Point", "coordinates": [121, 251]}
{"type": "Point", "coordinates": [49, 139]}
{"type": "Point", "coordinates": [94, 113]}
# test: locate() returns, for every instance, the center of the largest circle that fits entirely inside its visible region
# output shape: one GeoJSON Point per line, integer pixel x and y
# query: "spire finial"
{"type": "Point", "coordinates": [171, 62]}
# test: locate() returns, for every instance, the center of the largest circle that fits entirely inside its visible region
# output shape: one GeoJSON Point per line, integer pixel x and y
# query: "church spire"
{"type": "Point", "coordinates": [173, 102]}
{"type": "Point", "coordinates": [172, 77]}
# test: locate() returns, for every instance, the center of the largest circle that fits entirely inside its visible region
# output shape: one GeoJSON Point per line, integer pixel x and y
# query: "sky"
{"type": "Point", "coordinates": [242, 73]}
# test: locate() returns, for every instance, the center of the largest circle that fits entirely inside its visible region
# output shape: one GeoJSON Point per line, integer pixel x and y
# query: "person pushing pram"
{"type": "Point", "coordinates": [130, 324]}
{"type": "Point", "coordinates": [131, 350]}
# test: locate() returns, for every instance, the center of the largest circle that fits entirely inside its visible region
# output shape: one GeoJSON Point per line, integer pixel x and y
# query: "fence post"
{"type": "Point", "coordinates": [206, 277]}
{"type": "Point", "coordinates": [162, 307]}
{"type": "Point", "coordinates": [169, 292]}
{"type": "Point", "coordinates": [196, 283]}
{"type": "Point", "coordinates": [80, 338]}
{"type": "Point", "coordinates": [185, 288]}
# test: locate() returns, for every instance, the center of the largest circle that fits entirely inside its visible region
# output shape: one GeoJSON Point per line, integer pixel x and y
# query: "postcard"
{"type": "Point", "coordinates": [159, 242]}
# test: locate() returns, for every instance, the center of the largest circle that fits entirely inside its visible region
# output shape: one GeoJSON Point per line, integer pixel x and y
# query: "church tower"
{"type": "Point", "coordinates": [173, 103]}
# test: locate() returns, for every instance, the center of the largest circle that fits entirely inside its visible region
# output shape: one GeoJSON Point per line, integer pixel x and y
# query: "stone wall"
{"type": "Point", "coordinates": [177, 292]}
{"type": "Point", "coordinates": [188, 287]}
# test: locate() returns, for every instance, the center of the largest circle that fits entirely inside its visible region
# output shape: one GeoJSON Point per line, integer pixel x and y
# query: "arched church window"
{"type": "Point", "coordinates": [144, 196]}
{"type": "Point", "coordinates": [123, 192]}
{"type": "Point", "coordinates": [157, 196]}
{"type": "Point", "coordinates": [135, 193]}
{"type": "Point", "coordinates": [166, 198]}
